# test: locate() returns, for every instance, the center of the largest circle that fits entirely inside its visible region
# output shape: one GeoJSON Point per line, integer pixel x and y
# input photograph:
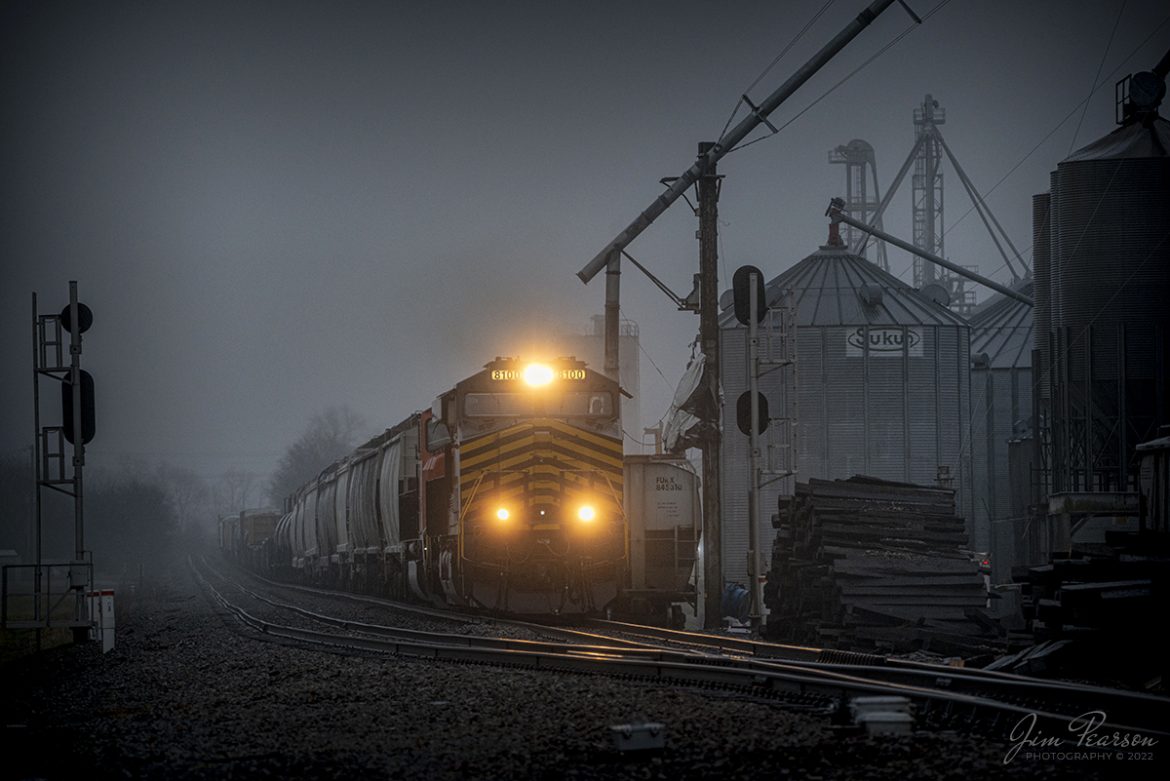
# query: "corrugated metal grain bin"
{"type": "Point", "coordinates": [1001, 409]}
{"type": "Point", "coordinates": [883, 389]}
{"type": "Point", "coordinates": [1107, 298]}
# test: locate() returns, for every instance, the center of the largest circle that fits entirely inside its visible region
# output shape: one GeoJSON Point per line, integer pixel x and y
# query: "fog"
{"type": "Point", "coordinates": [273, 208]}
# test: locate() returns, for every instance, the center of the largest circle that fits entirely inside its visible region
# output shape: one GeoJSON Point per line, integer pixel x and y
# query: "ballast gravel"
{"type": "Point", "coordinates": [190, 693]}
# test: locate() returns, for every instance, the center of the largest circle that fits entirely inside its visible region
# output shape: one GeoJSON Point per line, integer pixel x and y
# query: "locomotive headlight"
{"type": "Point", "coordinates": [586, 513]}
{"type": "Point", "coordinates": [502, 514]}
{"type": "Point", "coordinates": [537, 375]}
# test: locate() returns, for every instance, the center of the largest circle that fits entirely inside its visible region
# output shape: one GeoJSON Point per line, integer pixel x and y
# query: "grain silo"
{"type": "Point", "coordinates": [1106, 301]}
{"type": "Point", "coordinates": [1001, 411]}
{"type": "Point", "coordinates": [882, 386]}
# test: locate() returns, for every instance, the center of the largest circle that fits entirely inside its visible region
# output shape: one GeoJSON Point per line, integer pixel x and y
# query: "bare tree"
{"type": "Point", "coordinates": [132, 520]}
{"type": "Point", "coordinates": [330, 435]}
{"type": "Point", "coordinates": [233, 491]}
{"type": "Point", "coordinates": [186, 491]}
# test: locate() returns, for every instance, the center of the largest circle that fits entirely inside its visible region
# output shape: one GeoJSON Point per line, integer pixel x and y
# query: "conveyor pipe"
{"type": "Point", "coordinates": [835, 213]}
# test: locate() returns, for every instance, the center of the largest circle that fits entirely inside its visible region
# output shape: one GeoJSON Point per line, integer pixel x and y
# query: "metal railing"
{"type": "Point", "coordinates": [48, 596]}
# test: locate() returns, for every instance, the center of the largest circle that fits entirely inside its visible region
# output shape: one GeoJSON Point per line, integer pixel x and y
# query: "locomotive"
{"type": "Point", "coordinates": [506, 495]}
{"type": "Point", "coordinates": [244, 536]}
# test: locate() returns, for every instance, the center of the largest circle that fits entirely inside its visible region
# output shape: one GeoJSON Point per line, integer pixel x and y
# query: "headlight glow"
{"type": "Point", "coordinates": [503, 514]}
{"type": "Point", "coordinates": [586, 513]}
{"type": "Point", "coordinates": [537, 375]}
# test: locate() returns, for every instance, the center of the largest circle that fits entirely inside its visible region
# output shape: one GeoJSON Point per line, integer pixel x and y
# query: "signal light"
{"type": "Point", "coordinates": [87, 425]}
{"type": "Point", "coordinates": [84, 318]}
{"type": "Point", "coordinates": [502, 514]}
{"type": "Point", "coordinates": [743, 413]}
{"type": "Point", "coordinates": [742, 290]}
{"type": "Point", "coordinates": [586, 513]}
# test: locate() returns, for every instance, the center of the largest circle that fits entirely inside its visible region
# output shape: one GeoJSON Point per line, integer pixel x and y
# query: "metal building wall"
{"type": "Point", "coordinates": [1001, 406]}
{"type": "Point", "coordinates": [1001, 409]}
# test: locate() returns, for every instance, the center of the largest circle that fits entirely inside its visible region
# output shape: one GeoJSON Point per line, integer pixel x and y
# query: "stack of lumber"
{"type": "Point", "coordinates": [871, 564]}
{"type": "Point", "coordinates": [1097, 609]}
{"type": "Point", "coordinates": [1092, 591]}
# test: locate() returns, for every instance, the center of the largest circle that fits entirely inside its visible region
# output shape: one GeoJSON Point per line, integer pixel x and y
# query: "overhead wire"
{"type": "Point", "coordinates": [1044, 371]}
{"type": "Point", "coordinates": [980, 408]}
{"type": "Point", "coordinates": [773, 63]}
{"type": "Point", "coordinates": [669, 387]}
{"type": "Point", "coordinates": [846, 78]}
{"type": "Point", "coordinates": [649, 357]}
{"type": "Point", "coordinates": [1053, 131]}
{"type": "Point", "coordinates": [1092, 84]}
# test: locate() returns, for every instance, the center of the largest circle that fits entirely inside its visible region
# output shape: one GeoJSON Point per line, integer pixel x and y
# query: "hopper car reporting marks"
{"type": "Point", "coordinates": [506, 495]}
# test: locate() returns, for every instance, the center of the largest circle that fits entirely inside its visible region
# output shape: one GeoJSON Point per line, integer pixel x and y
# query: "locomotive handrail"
{"type": "Point", "coordinates": [625, 520]}
{"type": "Point", "coordinates": [466, 509]}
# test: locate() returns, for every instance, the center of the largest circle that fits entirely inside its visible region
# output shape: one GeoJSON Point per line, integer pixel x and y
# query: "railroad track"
{"type": "Point", "coordinates": [952, 696]}
{"type": "Point", "coordinates": [1062, 696]}
{"type": "Point", "coordinates": [446, 614]}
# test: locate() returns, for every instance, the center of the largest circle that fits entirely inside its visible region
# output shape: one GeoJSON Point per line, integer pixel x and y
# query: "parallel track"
{"type": "Point", "coordinates": [758, 668]}
{"type": "Point", "coordinates": [1072, 698]}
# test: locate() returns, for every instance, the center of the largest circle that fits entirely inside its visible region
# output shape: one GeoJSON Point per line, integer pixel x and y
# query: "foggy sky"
{"type": "Point", "coordinates": [277, 207]}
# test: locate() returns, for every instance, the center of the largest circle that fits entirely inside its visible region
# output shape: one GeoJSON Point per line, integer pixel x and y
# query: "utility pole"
{"type": "Point", "coordinates": [708, 185]}
{"type": "Point", "coordinates": [613, 282]}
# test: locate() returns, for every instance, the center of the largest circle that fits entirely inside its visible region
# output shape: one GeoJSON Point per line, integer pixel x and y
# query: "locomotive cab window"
{"type": "Point", "coordinates": [487, 405]}
{"type": "Point", "coordinates": [590, 403]}
{"type": "Point", "coordinates": [571, 404]}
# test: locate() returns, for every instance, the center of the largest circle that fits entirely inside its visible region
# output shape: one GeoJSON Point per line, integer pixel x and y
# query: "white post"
{"type": "Point", "coordinates": [101, 614]}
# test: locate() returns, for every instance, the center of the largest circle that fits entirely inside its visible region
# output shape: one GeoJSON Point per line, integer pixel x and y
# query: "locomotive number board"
{"type": "Point", "coordinates": [505, 375]}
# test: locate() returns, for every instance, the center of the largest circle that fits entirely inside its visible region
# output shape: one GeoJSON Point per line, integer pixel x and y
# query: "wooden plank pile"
{"type": "Point", "coordinates": [1096, 609]}
{"type": "Point", "coordinates": [1099, 591]}
{"type": "Point", "coordinates": [871, 564]}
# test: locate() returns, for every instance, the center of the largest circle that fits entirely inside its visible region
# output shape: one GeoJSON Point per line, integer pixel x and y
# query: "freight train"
{"type": "Point", "coordinates": [506, 495]}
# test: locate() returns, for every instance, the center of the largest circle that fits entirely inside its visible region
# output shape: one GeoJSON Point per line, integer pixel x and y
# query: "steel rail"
{"type": "Point", "coordinates": [381, 630]}
{"type": "Point", "coordinates": [763, 655]}
{"type": "Point", "coordinates": [758, 654]}
{"type": "Point", "coordinates": [1153, 709]}
{"type": "Point", "coordinates": [777, 679]}
{"type": "Point", "coordinates": [449, 614]}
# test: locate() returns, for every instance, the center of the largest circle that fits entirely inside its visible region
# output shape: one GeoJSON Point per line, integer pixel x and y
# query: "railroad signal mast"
{"type": "Point", "coordinates": [770, 347]}
{"type": "Point", "coordinates": [56, 468]}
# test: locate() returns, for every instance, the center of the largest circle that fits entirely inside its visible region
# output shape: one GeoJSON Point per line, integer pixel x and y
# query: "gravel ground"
{"type": "Point", "coordinates": [190, 694]}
